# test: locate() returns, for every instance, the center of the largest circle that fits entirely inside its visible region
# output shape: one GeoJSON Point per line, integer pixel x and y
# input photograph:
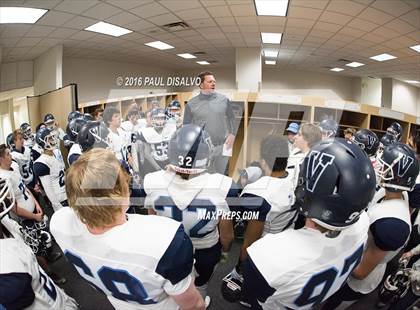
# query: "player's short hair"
{"type": "Point", "coordinates": [97, 111]}
{"type": "Point", "coordinates": [97, 187]}
{"type": "Point", "coordinates": [16, 134]}
{"type": "Point", "coordinates": [311, 133]}
{"type": "Point", "coordinates": [202, 75]}
{"type": "Point", "coordinates": [109, 113]}
{"type": "Point", "coordinates": [275, 151]}
{"type": "Point", "coordinates": [3, 148]}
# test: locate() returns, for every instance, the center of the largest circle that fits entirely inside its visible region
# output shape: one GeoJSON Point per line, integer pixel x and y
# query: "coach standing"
{"type": "Point", "coordinates": [214, 111]}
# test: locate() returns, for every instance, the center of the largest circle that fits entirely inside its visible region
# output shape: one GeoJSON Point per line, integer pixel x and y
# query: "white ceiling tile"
{"type": "Point", "coordinates": [28, 42]}
{"type": "Point", "coordinates": [400, 26]}
{"type": "Point", "coordinates": [180, 5]}
{"type": "Point", "coordinates": [101, 11]}
{"type": "Point", "coordinates": [346, 7]}
{"type": "Point", "coordinates": [128, 4]}
{"type": "Point", "coordinates": [362, 24]}
{"type": "Point", "coordinates": [315, 4]}
{"type": "Point", "coordinates": [307, 13]}
{"type": "Point", "coordinates": [122, 19]}
{"type": "Point", "coordinates": [243, 10]}
{"type": "Point", "coordinates": [15, 31]}
{"type": "Point", "coordinates": [53, 18]}
{"type": "Point", "coordinates": [191, 14]}
{"type": "Point", "coordinates": [41, 4]}
{"type": "Point", "coordinates": [412, 18]}
{"type": "Point", "coordinates": [140, 25]}
{"type": "Point", "coordinates": [62, 33]}
{"type": "Point", "coordinates": [388, 33]}
{"type": "Point", "coordinates": [202, 23]}
{"type": "Point", "coordinates": [229, 29]}
{"type": "Point", "coordinates": [335, 18]}
{"type": "Point", "coordinates": [149, 10]}
{"type": "Point", "coordinates": [264, 28]}
{"type": "Point", "coordinates": [300, 23]}
{"type": "Point", "coordinates": [186, 33]}
{"type": "Point", "coordinates": [327, 26]}
{"type": "Point", "coordinates": [9, 42]}
{"type": "Point", "coordinates": [49, 42]}
{"type": "Point", "coordinates": [39, 31]}
{"type": "Point", "coordinates": [375, 16]}
{"type": "Point", "coordinates": [247, 21]}
{"type": "Point", "coordinates": [225, 21]}
{"type": "Point", "coordinates": [75, 7]}
{"type": "Point", "coordinates": [210, 3]}
{"type": "Point", "coordinates": [374, 37]}
{"type": "Point", "coordinates": [321, 34]}
{"type": "Point", "coordinates": [271, 21]}
{"type": "Point", "coordinates": [164, 19]}
{"type": "Point", "coordinates": [80, 22]}
{"type": "Point", "coordinates": [395, 8]}
{"type": "Point", "coordinates": [82, 35]}
{"type": "Point", "coordinates": [413, 3]}
{"type": "Point", "coordinates": [296, 31]}
{"type": "Point", "coordinates": [352, 32]}
{"type": "Point", "coordinates": [415, 35]}
{"type": "Point", "coordinates": [219, 11]}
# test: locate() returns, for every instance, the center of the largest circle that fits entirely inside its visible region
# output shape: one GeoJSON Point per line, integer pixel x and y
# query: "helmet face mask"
{"type": "Point", "coordinates": [47, 139]}
{"type": "Point", "coordinates": [158, 119]}
{"type": "Point", "coordinates": [7, 198]}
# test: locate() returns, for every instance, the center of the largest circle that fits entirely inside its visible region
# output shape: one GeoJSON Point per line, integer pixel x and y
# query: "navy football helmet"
{"type": "Point", "coordinates": [336, 184]}
{"type": "Point", "coordinates": [47, 138]}
{"type": "Point", "coordinates": [9, 141]}
{"type": "Point", "coordinates": [49, 120]}
{"type": "Point", "coordinates": [26, 131]}
{"type": "Point", "coordinates": [367, 140]}
{"type": "Point", "coordinates": [73, 128]}
{"type": "Point", "coordinates": [397, 167]}
{"type": "Point", "coordinates": [189, 150]}
{"type": "Point", "coordinates": [158, 118]}
{"type": "Point", "coordinates": [91, 135]}
{"type": "Point", "coordinates": [387, 139]}
{"type": "Point", "coordinates": [395, 130]}
{"type": "Point", "coordinates": [174, 109]}
{"type": "Point", "coordinates": [329, 128]}
{"type": "Point", "coordinates": [73, 115]}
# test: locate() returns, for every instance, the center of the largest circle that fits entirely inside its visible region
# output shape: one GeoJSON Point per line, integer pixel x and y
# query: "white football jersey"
{"type": "Point", "coordinates": [137, 264]}
{"type": "Point", "coordinates": [36, 151]}
{"type": "Point", "coordinates": [386, 210]}
{"type": "Point", "coordinates": [159, 141]}
{"type": "Point", "coordinates": [74, 153]}
{"type": "Point", "coordinates": [23, 197]}
{"type": "Point", "coordinates": [304, 267]}
{"type": "Point", "coordinates": [50, 172]}
{"type": "Point", "coordinates": [24, 161]}
{"type": "Point", "coordinates": [118, 141]}
{"type": "Point", "coordinates": [293, 164]}
{"type": "Point", "coordinates": [194, 202]}
{"type": "Point", "coordinates": [29, 142]}
{"type": "Point", "coordinates": [277, 197]}
{"type": "Point", "coordinates": [130, 127]}
{"type": "Point", "coordinates": [16, 260]}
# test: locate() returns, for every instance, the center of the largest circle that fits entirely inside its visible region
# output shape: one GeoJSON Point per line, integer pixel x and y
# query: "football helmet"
{"type": "Point", "coordinates": [329, 128]}
{"type": "Point", "coordinates": [336, 184]}
{"type": "Point", "coordinates": [397, 167]}
{"type": "Point", "coordinates": [47, 138]}
{"type": "Point", "coordinates": [367, 140]}
{"type": "Point", "coordinates": [7, 197]}
{"type": "Point", "coordinates": [36, 238]}
{"type": "Point", "coordinates": [189, 149]}
{"type": "Point", "coordinates": [90, 135]}
{"type": "Point", "coordinates": [9, 141]}
{"type": "Point", "coordinates": [386, 140]}
{"type": "Point", "coordinates": [73, 115]}
{"type": "Point", "coordinates": [158, 118]}
{"type": "Point", "coordinates": [174, 109]}
{"type": "Point", "coordinates": [231, 287]}
{"type": "Point", "coordinates": [49, 120]}
{"type": "Point", "coordinates": [88, 117]}
{"type": "Point", "coordinates": [73, 128]}
{"type": "Point", "coordinates": [395, 130]}
{"type": "Point", "coordinates": [26, 131]}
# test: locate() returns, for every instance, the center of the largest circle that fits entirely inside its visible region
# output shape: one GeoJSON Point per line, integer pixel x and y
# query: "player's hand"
{"type": "Point", "coordinates": [37, 188]}
{"type": "Point", "coordinates": [38, 217]}
{"type": "Point", "coordinates": [230, 139]}
{"type": "Point", "coordinates": [406, 255]}
{"type": "Point", "coordinates": [38, 209]}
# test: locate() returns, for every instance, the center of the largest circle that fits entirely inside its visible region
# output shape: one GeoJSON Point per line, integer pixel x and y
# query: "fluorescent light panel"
{"type": "Point", "coordinates": [271, 7]}
{"type": "Point", "coordinates": [109, 29]}
{"type": "Point", "coordinates": [159, 45]}
{"type": "Point", "coordinates": [355, 64]}
{"type": "Point", "coordinates": [186, 56]}
{"type": "Point", "coordinates": [272, 54]}
{"type": "Point", "coordinates": [16, 15]}
{"type": "Point", "coordinates": [383, 57]}
{"type": "Point", "coordinates": [271, 37]}
{"type": "Point", "coordinates": [270, 62]}
{"type": "Point", "coordinates": [416, 48]}
{"type": "Point", "coordinates": [337, 69]}
{"type": "Point", "coordinates": [203, 62]}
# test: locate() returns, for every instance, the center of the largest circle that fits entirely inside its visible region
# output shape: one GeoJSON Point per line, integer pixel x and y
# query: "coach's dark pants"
{"type": "Point", "coordinates": [205, 261]}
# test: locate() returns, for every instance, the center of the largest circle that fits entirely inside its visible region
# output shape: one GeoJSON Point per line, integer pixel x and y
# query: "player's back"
{"type": "Point", "coordinates": [136, 264]}
{"type": "Point", "coordinates": [18, 265]}
{"type": "Point", "coordinates": [194, 202]}
{"type": "Point", "coordinates": [304, 267]}
{"type": "Point", "coordinates": [53, 168]}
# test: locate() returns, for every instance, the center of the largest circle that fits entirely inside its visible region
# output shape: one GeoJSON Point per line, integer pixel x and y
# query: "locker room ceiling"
{"type": "Point", "coordinates": [317, 34]}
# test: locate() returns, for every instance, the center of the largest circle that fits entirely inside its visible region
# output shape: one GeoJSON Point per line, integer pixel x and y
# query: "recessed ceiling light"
{"type": "Point", "coordinates": [271, 53]}
{"type": "Point", "coordinates": [271, 7]}
{"type": "Point", "coordinates": [109, 29]}
{"type": "Point", "coordinates": [203, 62]}
{"type": "Point", "coordinates": [336, 69]}
{"type": "Point", "coordinates": [271, 37]}
{"type": "Point", "coordinates": [270, 62]}
{"type": "Point", "coordinates": [186, 56]}
{"type": "Point", "coordinates": [355, 64]}
{"type": "Point", "coordinates": [16, 15]}
{"type": "Point", "coordinates": [416, 48]}
{"type": "Point", "coordinates": [159, 45]}
{"type": "Point", "coordinates": [383, 57]}
{"type": "Point", "coordinates": [413, 82]}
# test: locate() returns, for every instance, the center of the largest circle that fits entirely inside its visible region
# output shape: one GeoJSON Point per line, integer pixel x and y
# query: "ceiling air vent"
{"type": "Point", "coordinates": [344, 60]}
{"type": "Point", "coordinates": [199, 53]}
{"type": "Point", "coordinates": [178, 26]}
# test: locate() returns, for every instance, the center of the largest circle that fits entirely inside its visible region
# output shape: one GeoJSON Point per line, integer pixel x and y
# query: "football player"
{"type": "Point", "coordinates": [299, 269]}
{"type": "Point", "coordinates": [51, 123]}
{"type": "Point", "coordinates": [173, 112]}
{"type": "Point", "coordinates": [188, 194]}
{"type": "Point", "coordinates": [329, 128]}
{"type": "Point", "coordinates": [90, 136]}
{"type": "Point", "coordinates": [9, 141]}
{"type": "Point", "coordinates": [113, 250]}
{"type": "Point", "coordinates": [73, 128]}
{"type": "Point", "coordinates": [23, 283]}
{"type": "Point", "coordinates": [22, 156]}
{"type": "Point", "coordinates": [395, 130]}
{"type": "Point", "coordinates": [117, 138]}
{"type": "Point", "coordinates": [133, 123]}
{"type": "Point", "coordinates": [390, 223]}
{"type": "Point", "coordinates": [27, 135]}
{"type": "Point", "coordinates": [49, 170]}
{"type": "Point", "coordinates": [271, 197]}
{"type": "Point", "coordinates": [368, 141]}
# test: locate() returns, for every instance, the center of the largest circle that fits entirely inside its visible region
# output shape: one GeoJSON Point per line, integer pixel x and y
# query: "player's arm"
{"type": "Point", "coordinates": [16, 290]}
{"type": "Point", "coordinates": [21, 212]}
{"type": "Point", "coordinates": [226, 234]}
{"type": "Point", "coordinates": [151, 211]}
{"type": "Point", "coordinates": [387, 234]}
{"type": "Point", "coordinates": [190, 299]}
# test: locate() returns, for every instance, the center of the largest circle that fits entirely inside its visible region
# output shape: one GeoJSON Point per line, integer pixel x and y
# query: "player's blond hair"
{"type": "Point", "coordinates": [311, 133]}
{"type": "Point", "coordinates": [97, 188]}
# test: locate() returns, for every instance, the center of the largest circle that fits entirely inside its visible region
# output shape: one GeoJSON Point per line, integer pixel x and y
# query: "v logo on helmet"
{"type": "Point", "coordinates": [404, 164]}
{"type": "Point", "coordinates": [371, 141]}
{"type": "Point", "coordinates": [317, 164]}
